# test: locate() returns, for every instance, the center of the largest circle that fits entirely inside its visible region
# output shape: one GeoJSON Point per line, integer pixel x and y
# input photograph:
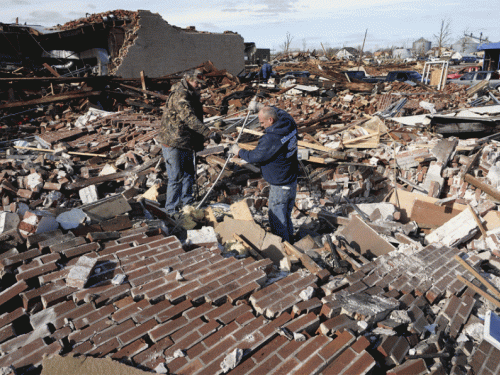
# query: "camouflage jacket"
{"type": "Point", "coordinates": [182, 120]}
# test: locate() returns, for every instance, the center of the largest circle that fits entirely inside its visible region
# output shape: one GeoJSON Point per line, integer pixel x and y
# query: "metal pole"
{"type": "Point", "coordinates": [229, 156]}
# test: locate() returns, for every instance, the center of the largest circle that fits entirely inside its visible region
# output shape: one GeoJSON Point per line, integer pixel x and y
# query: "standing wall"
{"type": "Point", "coordinates": [161, 49]}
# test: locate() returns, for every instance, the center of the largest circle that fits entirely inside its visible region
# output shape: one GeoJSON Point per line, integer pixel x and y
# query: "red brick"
{"type": "Point", "coordinates": [286, 367]}
{"type": "Point", "coordinates": [151, 311]}
{"type": "Point", "coordinates": [334, 348]}
{"type": "Point", "coordinates": [41, 270]}
{"type": "Point", "coordinates": [10, 317]}
{"type": "Point", "coordinates": [190, 368]}
{"type": "Point", "coordinates": [243, 291]}
{"type": "Point", "coordinates": [361, 344]}
{"type": "Point", "coordinates": [413, 366]}
{"type": "Point", "coordinates": [127, 312]}
{"type": "Point", "coordinates": [7, 332]}
{"type": "Point", "coordinates": [168, 328]}
{"type": "Point", "coordinates": [158, 347]}
{"type": "Point", "coordinates": [220, 334]}
{"type": "Point", "coordinates": [198, 311]}
{"type": "Point", "coordinates": [112, 294]}
{"type": "Point", "coordinates": [54, 297]}
{"type": "Point", "coordinates": [342, 362]}
{"type": "Point", "coordinates": [104, 348]}
{"type": "Point", "coordinates": [130, 350]}
{"type": "Point", "coordinates": [266, 367]}
{"type": "Point", "coordinates": [80, 250]}
{"type": "Point", "coordinates": [174, 311]}
{"type": "Point", "coordinates": [310, 347]}
{"type": "Point", "coordinates": [36, 357]}
{"type": "Point", "coordinates": [314, 364]}
{"type": "Point", "coordinates": [112, 331]}
{"type": "Point", "coordinates": [217, 350]}
{"type": "Point", "coordinates": [13, 291]}
{"type": "Point", "coordinates": [93, 317]}
{"type": "Point", "coordinates": [137, 332]}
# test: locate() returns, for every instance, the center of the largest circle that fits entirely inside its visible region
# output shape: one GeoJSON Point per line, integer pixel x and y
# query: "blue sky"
{"type": "Point", "coordinates": [334, 23]}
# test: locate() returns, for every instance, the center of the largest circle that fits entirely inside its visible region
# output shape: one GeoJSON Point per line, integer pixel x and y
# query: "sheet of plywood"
{"type": "Point", "coordinates": [364, 239]}
{"type": "Point", "coordinates": [428, 215]}
{"type": "Point", "coordinates": [492, 220]}
{"type": "Point", "coordinates": [83, 365]}
{"type": "Point", "coordinates": [406, 199]}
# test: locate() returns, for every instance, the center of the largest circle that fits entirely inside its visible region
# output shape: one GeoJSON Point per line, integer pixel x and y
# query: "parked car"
{"type": "Point", "coordinates": [462, 71]}
{"type": "Point", "coordinates": [404, 75]}
{"type": "Point", "coordinates": [454, 61]}
{"type": "Point", "coordinates": [409, 59]}
{"type": "Point", "coordinates": [472, 78]}
{"type": "Point", "coordinates": [469, 59]}
{"type": "Point", "coordinates": [422, 58]}
{"type": "Point", "coordinates": [360, 74]}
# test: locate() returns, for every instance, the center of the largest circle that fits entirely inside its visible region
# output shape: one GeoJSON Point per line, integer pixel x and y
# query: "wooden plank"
{"type": "Point", "coordinates": [488, 189]}
{"type": "Point", "coordinates": [300, 143]}
{"type": "Point", "coordinates": [114, 176]}
{"type": "Point", "coordinates": [476, 274]}
{"type": "Point", "coordinates": [69, 152]}
{"type": "Point", "coordinates": [51, 70]}
{"type": "Point", "coordinates": [479, 291]}
{"type": "Point", "coordinates": [51, 99]}
{"type": "Point", "coordinates": [249, 246]}
{"type": "Point", "coordinates": [152, 93]}
{"type": "Point", "coordinates": [305, 259]}
{"type": "Point", "coordinates": [478, 222]}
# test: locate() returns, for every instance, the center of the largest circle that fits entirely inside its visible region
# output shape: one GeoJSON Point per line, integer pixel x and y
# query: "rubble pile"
{"type": "Point", "coordinates": [395, 268]}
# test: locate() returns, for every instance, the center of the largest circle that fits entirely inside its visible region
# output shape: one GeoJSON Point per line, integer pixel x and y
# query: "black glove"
{"type": "Point", "coordinates": [215, 136]}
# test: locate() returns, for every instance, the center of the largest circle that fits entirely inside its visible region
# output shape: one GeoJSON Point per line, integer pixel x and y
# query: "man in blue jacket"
{"type": "Point", "coordinates": [266, 71]}
{"type": "Point", "coordinates": [276, 153]}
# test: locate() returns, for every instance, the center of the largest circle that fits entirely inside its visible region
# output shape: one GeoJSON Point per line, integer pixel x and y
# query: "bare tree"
{"type": "Point", "coordinates": [286, 44]}
{"type": "Point", "coordinates": [304, 45]}
{"type": "Point", "coordinates": [444, 35]}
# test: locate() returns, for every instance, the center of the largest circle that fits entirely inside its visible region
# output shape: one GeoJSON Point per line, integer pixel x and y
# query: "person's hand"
{"type": "Point", "coordinates": [215, 136]}
{"type": "Point", "coordinates": [235, 149]}
{"type": "Point", "coordinates": [254, 106]}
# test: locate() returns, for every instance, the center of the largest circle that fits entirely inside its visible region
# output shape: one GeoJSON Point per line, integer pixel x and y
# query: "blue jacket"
{"type": "Point", "coordinates": [266, 71]}
{"type": "Point", "coordinates": [276, 152]}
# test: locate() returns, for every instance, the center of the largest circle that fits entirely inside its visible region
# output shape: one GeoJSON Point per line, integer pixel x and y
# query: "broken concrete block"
{"type": "Point", "coordinates": [108, 169]}
{"type": "Point", "coordinates": [200, 236]}
{"type": "Point", "coordinates": [231, 360]}
{"type": "Point", "coordinates": [272, 248]}
{"type": "Point", "coordinates": [249, 229]}
{"type": "Point", "coordinates": [47, 224]}
{"type": "Point", "coordinates": [106, 208]}
{"type": "Point", "coordinates": [71, 219]}
{"type": "Point", "coordinates": [364, 239]}
{"type": "Point", "coordinates": [34, 182]}
{"type": "Point", "coordinates": [387, 210]}
{"type": "Point", "coordinates": [89, 194]}
{"type": "Point", "coordinates": [241, 211]}
{"type": "Point", "coordinates": [455, 231]}
{"type": "Point", "coordinates": [80, 273]}
{"type": "Point", "coordinates": [8, 221]}
{"type": "Point", "coordinates": [370, 308]}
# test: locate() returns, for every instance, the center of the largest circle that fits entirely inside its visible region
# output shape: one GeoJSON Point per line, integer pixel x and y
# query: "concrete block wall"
{"type": "Point", "coordinates": [161, 49]}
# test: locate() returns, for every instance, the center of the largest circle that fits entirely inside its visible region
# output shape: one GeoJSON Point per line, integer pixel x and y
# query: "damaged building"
{"type": "Point", "coordinates": [121, 43]}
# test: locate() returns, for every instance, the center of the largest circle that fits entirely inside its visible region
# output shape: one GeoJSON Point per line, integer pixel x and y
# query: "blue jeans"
{"type": "Point", "coordinates": [281, 202]}
{"type": "Point", "coordinates": [180, 172]}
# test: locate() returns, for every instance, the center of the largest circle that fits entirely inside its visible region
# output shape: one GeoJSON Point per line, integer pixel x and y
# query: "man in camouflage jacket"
{"type": "Point", "coordinates": [182, 133]}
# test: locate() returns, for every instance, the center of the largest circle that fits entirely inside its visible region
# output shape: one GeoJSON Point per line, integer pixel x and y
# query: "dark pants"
{"type": "Point", "coordinates": [281, 202]}
{"type": "Point", "coordinates": [180, 172]}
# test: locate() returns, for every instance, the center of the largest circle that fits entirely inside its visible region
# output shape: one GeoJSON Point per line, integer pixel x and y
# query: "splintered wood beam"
{"type": "Point", "coordinates": [152, 93]}
{"type": "Point", "coordinates": [51, 99]}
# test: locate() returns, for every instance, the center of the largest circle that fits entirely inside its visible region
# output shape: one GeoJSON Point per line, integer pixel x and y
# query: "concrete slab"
{"type": "Point", "coordinates": [251, 230]}
{"type": "Point", "coordinates": [58, 365]}
{"type": "Point", "coordinates": [107, 208]}
{"type": "Point", "coordinates": [364, 239]}
{"type": "Point", "coordinates": [272, 248]}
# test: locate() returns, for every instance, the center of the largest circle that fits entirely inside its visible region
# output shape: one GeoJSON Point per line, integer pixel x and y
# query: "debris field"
{"type": "Point", "coordinates": [396, 264]}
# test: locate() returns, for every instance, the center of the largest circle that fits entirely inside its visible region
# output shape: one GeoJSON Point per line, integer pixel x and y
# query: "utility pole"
{"type": "Point", "coordinates": [362, 48]}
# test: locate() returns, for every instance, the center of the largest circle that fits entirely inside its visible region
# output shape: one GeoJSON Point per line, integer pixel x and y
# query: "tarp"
{"type": "Point", "coordinates": [482, 47]}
